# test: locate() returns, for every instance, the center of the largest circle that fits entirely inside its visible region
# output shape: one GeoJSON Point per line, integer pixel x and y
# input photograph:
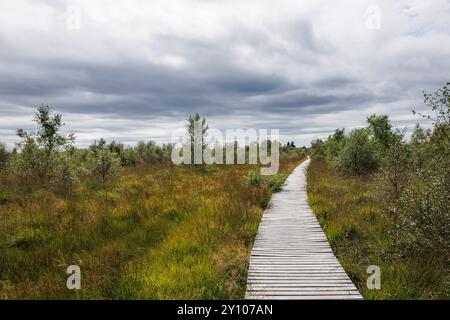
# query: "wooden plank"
{"type": "Point", "coordinates": [291, 257]}
{"type": "Point", "coordinates": [304, 297]}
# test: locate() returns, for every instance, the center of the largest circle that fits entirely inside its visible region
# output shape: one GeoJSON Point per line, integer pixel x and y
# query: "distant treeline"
{"type": "Point", "coordinates": [49, 158]}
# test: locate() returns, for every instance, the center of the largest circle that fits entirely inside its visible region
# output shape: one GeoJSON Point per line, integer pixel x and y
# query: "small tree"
{"type": "Point", "coordinates": [101, 161]}
{"type": "Point", "coordinates": [422, 210]}
{"type": "Point", "coordinates": [66, 174]}
{"type": "Point", "coordinates": [129, 157]}
{"type": "Point", "coordinates": [437, 149]}
{"type": "Point", "coordinates": [4, 156]}
{"type": "Point", "coordinates": [334, 144]}
{"type": "Point", "coordinates": [116, 147]}
{"type": "Point", "coordinates": [39, 150]}
{"type": "Point", "coordinates": [381, 129]}
{"type": "Point", "coordinates": [149, 152]}
{"type": "Point", "coordinates": [357, 156]}
{"type": "Point", "coordinates": [419, 154]}
{"type": "Point", "coordinates": [196, 130]}
{"type": "Point", "coordinates": [317, 150]}
{"type": "Point", "coordinates": [394, 170]}
{"type": "Point", "coordinates": [166, 151]}
{"type": "Point", "coordinates": [439, 103]}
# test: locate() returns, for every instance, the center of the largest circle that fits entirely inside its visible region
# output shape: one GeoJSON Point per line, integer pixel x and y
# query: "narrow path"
{"type": "Point", "coordinates": [291, 257]}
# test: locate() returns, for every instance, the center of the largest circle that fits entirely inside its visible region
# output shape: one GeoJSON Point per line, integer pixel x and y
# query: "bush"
{"type": "Point", "coordinates": [101, 162]}
{"type": "Point", "coordinates": [394, 170]}
{"type": "Point", "coordinates": [418, 148]}
{"type": "Point", "coordinates": [4, 157]}
{"type": "Point", "coordinates": [39, 151]}
{"type": "Point", "coordinates": [423, 214]}
{"type": "Point", "coordinates": [130, 157]}
{"type": "Point", "coordinates": [29, 164]}
{"type": "Point", "coordinates": [317, 150]}
{"type": "Point", "coordinates": [66, 174]}
{"type": "Point", "coordinates": [334, 144]}
{"type": "Point", "coordinates": [148, 151]}
{"type": "Point", "coordinates": [422, 211]}
{"type": "Point", "coordinates": [289, 151]}
{"type": "Point", "coordinates": [381, 130]}
{"type": "Point", "coordinates": [357, 155]}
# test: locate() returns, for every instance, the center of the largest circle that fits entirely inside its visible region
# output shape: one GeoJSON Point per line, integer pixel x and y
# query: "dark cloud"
{"type": "Point", "coordinates": [304, 69]}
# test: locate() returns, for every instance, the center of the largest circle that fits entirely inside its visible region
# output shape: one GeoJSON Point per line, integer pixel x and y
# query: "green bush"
{"type": "Point", "coordinates": [317, 151]}
{"type": "Point", "coordinates": [101, 162]}
{"type": "Point", "coordinates": [130, 157]}
{"type": "Point", "coordinates": [357, 155]}
{"type": "Point", "coordinates": [4, 157]}
{"type": "Point", "coordinates": [380, 129]}
{"type": "Point", "coordinates": [149, 152]}
{"type": "Point", "coordinates": [289, 151]}
{"type": "Point", "coordinates": [66, 174]}
{"type": "Point", "coordinates": [422, 210]}
{"type": "Point", "coordinates": [334, 144]}
{"type": "Point", "coordinates": [423, 214]}
{"type": "Point", "coordinates": [39, 152]}
{"type": "Point", "coordinates": [394, 170]}
{"type": "Point", "coordinates": [413, 177]}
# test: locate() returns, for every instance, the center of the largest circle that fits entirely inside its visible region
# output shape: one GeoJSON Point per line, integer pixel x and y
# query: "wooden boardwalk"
{"type": "Point", "coordinates": [291, 257]}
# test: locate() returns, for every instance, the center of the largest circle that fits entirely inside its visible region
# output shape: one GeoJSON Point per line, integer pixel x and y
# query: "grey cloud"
{"type": "Point", "coordinates": [277, 67]}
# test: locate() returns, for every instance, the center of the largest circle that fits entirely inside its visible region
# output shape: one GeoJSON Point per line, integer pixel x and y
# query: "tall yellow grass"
{"type": "Point", "coordinates": [156, 232]}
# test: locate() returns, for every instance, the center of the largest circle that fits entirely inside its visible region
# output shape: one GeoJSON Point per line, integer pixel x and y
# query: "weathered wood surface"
{"type": "Point", "coordinates": [291, 257]}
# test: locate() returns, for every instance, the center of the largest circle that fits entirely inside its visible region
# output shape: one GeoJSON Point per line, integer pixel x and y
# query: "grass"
{"type": "Point", "coordinates": [351, 214]}
{"type": "Point", "coordinates": [156, 232]}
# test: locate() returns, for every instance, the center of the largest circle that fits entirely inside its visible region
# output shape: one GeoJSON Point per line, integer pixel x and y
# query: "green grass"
{"type": "Point", "coordinates": [275, 182]}
{"type": "Point", "coordinates": [350, 212]}
{"type": "Point", "coordinates": [157, 232]}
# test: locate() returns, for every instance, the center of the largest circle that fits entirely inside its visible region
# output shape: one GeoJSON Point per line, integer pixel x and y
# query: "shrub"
{"type": "Point", "coordinates": [149, 152]}
{"type": "Point", "coordinates": [357, 155]}
{"type": "Point", "coordinates": [418, 142]}
{"type": "Point", "coordinates": [66, 174]}
{"type": "Point", "coordinates": [116, 147]}
{"type": "Point", "coordinates": [39, 150]}
{"type": "Point", "coordinates": [29, 164]}
{"type": "Point", "coordinates": [196, 129]}
{"type": "Point", "coordinates": [130, 157]}
{"type": "Point", "coordinates": [334, 144]}
{"type": "Point", "coordinates": [289, 151]}
{"type": "Point", "coordinates": [317, 151]}
{"type": "Point", "coordinates": [101, 162]}
{"type": "Point", "coordinates": [381, 129]}
{"type": "Point", "coordinates": [166, 153]}
{"type": "Point", "coordinates": [4, 157]}
{"type": "Point", "coordinates": [423, 212]}
{"type": "Point", "coordinates": [439, 103]}
{"type": "Point", "coordinates": [394, 170]}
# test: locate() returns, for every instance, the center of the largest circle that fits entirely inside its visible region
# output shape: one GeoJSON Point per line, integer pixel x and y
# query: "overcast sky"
{"type": "Point", "coordinates": [134, 70]}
